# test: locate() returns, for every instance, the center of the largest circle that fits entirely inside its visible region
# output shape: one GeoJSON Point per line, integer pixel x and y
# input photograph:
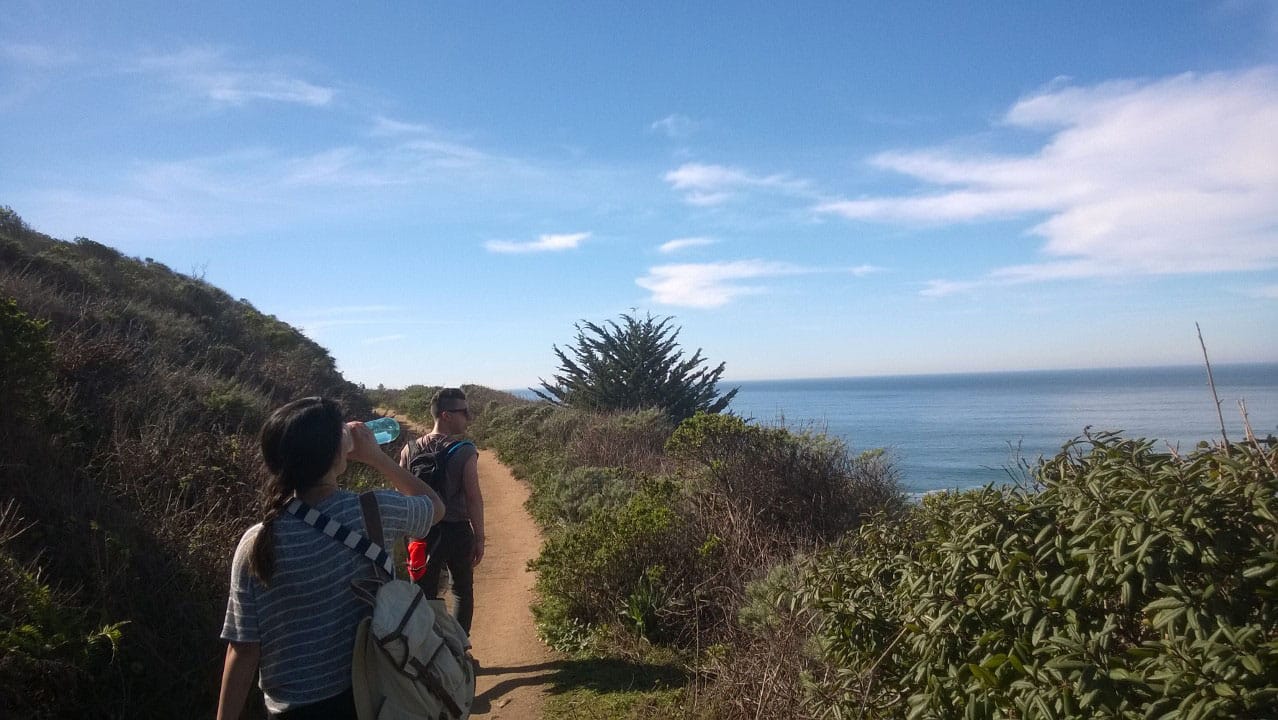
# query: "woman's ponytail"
{"type": "Point", "coordinates": [275, 497]}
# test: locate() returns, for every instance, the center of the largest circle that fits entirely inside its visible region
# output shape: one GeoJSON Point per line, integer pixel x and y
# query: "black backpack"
{"type": "Point", "coordinates": [431, 466]}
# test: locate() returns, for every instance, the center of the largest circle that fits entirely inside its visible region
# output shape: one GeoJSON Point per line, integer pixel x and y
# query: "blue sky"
{"type": "Point", "coordinates": [437, 193]}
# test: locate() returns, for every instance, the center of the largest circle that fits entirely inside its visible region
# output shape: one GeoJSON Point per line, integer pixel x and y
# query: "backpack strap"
{"type": "Point", "coordinates": [455, 446]}
{"type": "Point", "coordinates": [372, 517]}
{"type": "Point", "coordinates": [350, 538]}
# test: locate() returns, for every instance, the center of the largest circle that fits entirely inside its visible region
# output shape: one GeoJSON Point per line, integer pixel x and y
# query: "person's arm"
{"type": "Point", "coordinates": [474, 505]}
{"type": "Point", "coordinates": [237, 678]}
{"type": "Point", "coordinates": [368, 452]}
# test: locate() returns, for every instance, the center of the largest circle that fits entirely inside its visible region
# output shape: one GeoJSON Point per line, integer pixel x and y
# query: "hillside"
{"type": "Point", "coordinates": [130, 395]}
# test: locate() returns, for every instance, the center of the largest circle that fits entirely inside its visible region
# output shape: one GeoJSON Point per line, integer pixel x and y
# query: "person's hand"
{"type": "Point", "coordinates": [477, 552]}
{"type": "Point", "coordinates": [366, 449]}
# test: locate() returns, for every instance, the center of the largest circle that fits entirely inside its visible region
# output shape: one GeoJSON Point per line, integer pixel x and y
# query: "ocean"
{"type": "Point", "coordinates": [964, 430]}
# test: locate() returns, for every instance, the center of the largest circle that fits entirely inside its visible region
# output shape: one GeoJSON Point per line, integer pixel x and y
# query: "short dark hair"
{"type": "Point", "coordinates": [445, 399]}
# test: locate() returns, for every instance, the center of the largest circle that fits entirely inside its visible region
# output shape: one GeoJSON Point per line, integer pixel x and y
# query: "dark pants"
{"type": "Point", "coordinates": [452, 544]}
{"type": "Point", "coordinates": [335, 708]}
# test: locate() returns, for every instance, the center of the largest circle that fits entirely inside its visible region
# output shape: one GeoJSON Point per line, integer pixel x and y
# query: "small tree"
{"type": "Point", "coordinates": [631, 364]}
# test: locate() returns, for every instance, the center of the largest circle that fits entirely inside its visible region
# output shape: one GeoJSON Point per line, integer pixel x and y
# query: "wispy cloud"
{"type": "Point", "coordinates": [1267, 292]}
{"type": "Point", "coordinates": [704, 185]}
{"type": "Point", "coordinates": [380, 339]}
{"type": "Point", "coordinates": [37, 57]}
{"type": "Point", "coordinates": [943, 288]}
{"type": "Point", "coordinates": [315, 322]}
{"type": "Point", "coordinates": [676, 127]}
{"type": "Point", "coordinates": [28, 68]}
{"type": "Point", "coordinates": [257, 189]}
{"type": "Point", "coordinates": [678, 244]}
{"type": "Point", "coordinates": [390, 127]}
{"type": "Point", "coordinates": [710, 285]}
{"type": "Point", "coordinates": [863, 270]}
{"type": "Point", "coordinates": [543, 243]}
{"type": "Point", "coordinates": [1175, 175]}
{"type": "Point", "coordinates": [211, 74]}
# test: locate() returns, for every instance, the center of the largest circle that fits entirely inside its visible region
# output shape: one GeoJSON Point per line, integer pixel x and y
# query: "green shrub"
{"type": "Point", "coordinates": [622, 562]}
{"type": "Point", "coordinates": [631, 440]}
{"type": "Point", "coordinates": [799, 488]}
{"type": "Point", "coordinates": [56, 658]}
{"type": "Point", "coordinates": [1136, 584]}
{"type": "Point", "coordinates": [235, 406]}
{"type": "Point", "coordinates": [26, 366]}
{"type": "Point", "coordinates": [571, 498]}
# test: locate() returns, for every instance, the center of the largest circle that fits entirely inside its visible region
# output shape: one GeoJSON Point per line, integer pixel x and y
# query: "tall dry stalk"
{"type": "Point", "coordinates": [1212, 383]}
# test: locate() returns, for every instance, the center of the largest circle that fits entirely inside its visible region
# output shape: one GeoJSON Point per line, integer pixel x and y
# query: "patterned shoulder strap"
{"type": "Point", "coordinates": [342, 534]}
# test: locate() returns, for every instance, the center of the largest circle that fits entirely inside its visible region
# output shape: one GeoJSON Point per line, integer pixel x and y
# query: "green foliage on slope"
{"type": "Point", "coordinates": [1135, 584]}
{"type": "Point", "coordinates": [130, 396]}
{"type": "Point", "coordinates": [654, 532]}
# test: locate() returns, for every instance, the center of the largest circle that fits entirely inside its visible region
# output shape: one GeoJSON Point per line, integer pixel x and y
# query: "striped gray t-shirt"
{"type": "Point", "coordinates": [305, 619]}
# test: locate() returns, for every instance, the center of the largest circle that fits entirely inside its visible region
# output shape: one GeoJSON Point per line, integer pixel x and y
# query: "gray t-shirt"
{"type": "Point", "coordinates": [454, 494]}
{"type": "Point", "coordinates": [305, 619]}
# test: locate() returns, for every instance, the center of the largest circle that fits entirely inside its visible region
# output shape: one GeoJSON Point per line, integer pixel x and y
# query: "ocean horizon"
{"type": "Point", "coordinates": [963, 430]}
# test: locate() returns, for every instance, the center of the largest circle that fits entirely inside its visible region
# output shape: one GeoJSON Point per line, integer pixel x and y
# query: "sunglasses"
{"type": "Point", "coordinates": [463, 411]}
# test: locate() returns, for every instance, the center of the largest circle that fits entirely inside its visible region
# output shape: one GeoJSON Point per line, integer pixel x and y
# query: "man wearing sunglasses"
{"type": "Point", "coordinates": [457, 541]}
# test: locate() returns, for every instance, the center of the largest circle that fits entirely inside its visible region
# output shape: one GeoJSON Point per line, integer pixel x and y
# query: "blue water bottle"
{"type": "Point", "coordinates": [384, 429]}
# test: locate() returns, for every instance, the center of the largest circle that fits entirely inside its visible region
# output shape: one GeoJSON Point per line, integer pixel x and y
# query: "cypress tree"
{"type": "Point", "coordinates": [632, 364]}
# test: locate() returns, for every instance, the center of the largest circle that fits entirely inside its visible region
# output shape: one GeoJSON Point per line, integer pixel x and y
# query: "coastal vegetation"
{"type": "Point", "coordinates": [695, 564]}
{"type": "Point", "coordinates": [656, 532]}
{"type": "Point", "coordinates": [786, 577]}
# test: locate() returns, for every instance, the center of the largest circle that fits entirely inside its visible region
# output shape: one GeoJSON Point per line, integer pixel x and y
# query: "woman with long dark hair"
{"type": "Point", "coordinates": [291, 614]}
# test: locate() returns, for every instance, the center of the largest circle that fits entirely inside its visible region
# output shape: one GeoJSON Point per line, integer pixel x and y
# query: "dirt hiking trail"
{"type": "Point", "coordinates": [516, 669]}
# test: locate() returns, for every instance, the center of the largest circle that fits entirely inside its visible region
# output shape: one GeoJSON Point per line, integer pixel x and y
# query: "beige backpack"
{"type": "Point", "coordinates": [410, 659]}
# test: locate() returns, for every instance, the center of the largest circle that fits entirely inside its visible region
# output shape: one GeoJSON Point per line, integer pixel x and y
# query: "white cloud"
{"type": "Point", "coordinates": [208, 73]}
{"type": "Point", "coordinates": [28, 68]}
{"type": "Point", "coordinates": [705, 185]}
{"type": "Point", "coordinates": [380, 339]}
{"type": "Point", "coordinates": [543, 243]}
{"type": "Point", "coordinates": [1266, 292]}
{"type": "Point", "coordinates": [256, 190]}
{"type": "Point", "coordinates": [684, 243]}
{"type": "Point", "coordinates": [37, 57]}
{"type": "Point", "coordinates": [389, 127]}
{"type": "Point", "coordinates": [942, 288]}
{"type": "Point", "coordinates": [675, 127]}
{"type": "Point", "coordinates": [863, 270]}
{"type": "Point", "coordinates": [1174, 175]}
{"type": "Point", "coordinates": [710, 285]}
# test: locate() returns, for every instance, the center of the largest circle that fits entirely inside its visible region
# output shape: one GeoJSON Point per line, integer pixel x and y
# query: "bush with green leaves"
{"type": "Point", "coordinates": [631, 440]}
{"type": "Point", "coordinates": [798, 488]}
{"type": "Point", "coordinates": [668, 555]}
{"type": "Point", "coordinates": [57, 658]}
{"type": "Point", "coordinates": [570, 498]}
{"type": "Point", "coordinates": [26, 365]}
{"type": "Point", "coordinates": [634, 364]}
{"type": "Point", "coordinates": [621, 564]}
{"type": "Point", "coordinates": [1133, 584]}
